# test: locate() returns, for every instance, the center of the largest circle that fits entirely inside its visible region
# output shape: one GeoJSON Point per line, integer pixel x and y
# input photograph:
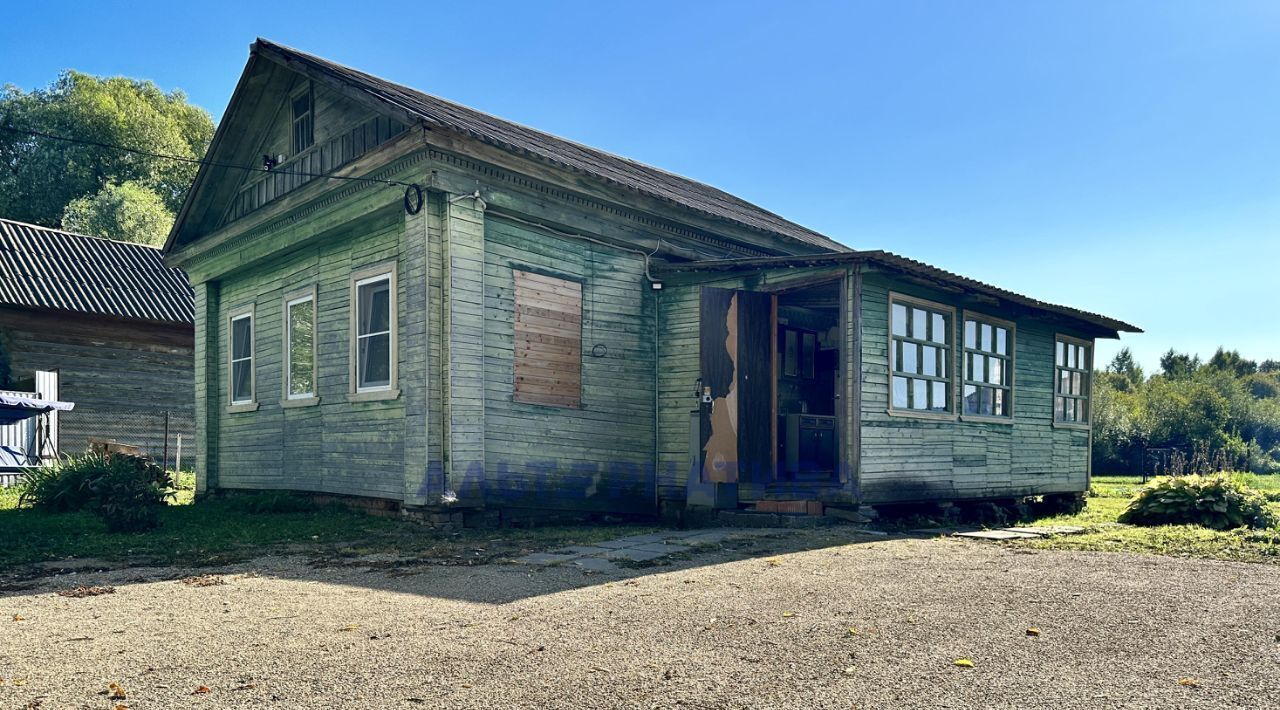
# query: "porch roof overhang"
{"type": "Point", "coordinates": [910, 267]}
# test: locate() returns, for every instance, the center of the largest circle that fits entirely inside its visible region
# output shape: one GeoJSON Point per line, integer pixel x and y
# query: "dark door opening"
{"type": "Point", "coordinates": [807, 380]}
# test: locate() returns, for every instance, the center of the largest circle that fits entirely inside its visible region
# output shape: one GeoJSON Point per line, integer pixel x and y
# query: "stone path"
{"type": "Point", "coordinates": [604, 556]}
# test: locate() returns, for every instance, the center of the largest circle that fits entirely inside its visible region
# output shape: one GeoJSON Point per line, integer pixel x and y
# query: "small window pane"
{"type": "Point", "coordinates": [996, 375]}
{"type": "Point", "coordinates": [939, 396]}
{"type": "Point", "coordinates": [986, 337]}
{"type": "Point", "coordinates": [970, 334]}
{"type": "Point", "coordinates": [899, 319]}
{"type": "Point", "coordinates": [938, 333]}
{"type": "Point", "coordinates": [919, 394]}
{"type": "Point", "coordinates": [241, 338]}
{"type": "Point", "coordinates": [910, 353]}
{"type": "Point", "coordinates": [1002, 337]}
{"type": "Point", "coordinates": [900, 392]}
{"type": "Point", "coordinates": [919, 323]}
{"type": "Point", "coordinates": [929, 361]}
{"type": "Point", "coordinates": [999, 408]}
{"type": "Point", "coordinates": [301, 347]}
{"type": "Point", "coordinates": [242, 381]}
{"type": "Point", "coordinates": [1071, 356]}
{"type": "Point", "coordinates": [374, 364]}
{"type": "Point", "coordinates": [970, 399]}
{"type": "Point", "coordinates": [1080, 413]}
{"type": "Point", "coordinates": [979, 369]}
{"type": "Point", "coordinates": [1062, 357]}
{"type": "Point", "coordinates": [374, 307]}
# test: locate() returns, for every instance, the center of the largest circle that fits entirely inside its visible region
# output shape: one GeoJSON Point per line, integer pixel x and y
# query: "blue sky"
{"type": "Point", "coordinates": [1122, 157]}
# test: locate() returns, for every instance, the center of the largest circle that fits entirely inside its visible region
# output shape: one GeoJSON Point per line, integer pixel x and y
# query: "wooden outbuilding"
{"type": "Point", "coordinates": [406, 300]}
{"type": "Point", "coordinates": [115, 324]}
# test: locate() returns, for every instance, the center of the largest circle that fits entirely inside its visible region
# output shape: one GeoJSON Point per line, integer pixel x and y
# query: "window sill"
{"type": "Point", "coordinates": [242, 407]}
{"type": "Point", "coordinates": [373, 396]}
{"type": "Point", "coordinates": [931, 416]}
{"type": "Point", "coordinates": [287, 403]}
{"type": "Point", "coordinates": [979, 419]}
{"type": "Point", "coordinates": [1085, 426]}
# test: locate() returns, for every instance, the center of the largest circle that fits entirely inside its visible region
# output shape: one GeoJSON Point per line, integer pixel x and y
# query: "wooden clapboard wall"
{"type": "Point", "coordinates": [548, 340]}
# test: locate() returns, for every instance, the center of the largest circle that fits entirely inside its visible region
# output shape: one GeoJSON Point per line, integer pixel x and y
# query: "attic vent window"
{"type": "Point", "coordinates": [303, 122]}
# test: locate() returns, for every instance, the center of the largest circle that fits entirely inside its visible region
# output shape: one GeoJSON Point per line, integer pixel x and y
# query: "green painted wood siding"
{"type": "Point", "coordinates": [598, 457]}
{"type": "Point", "coordinates": [917, 459]}
{"type": "Point", "coordinates": [355, 448]}
{"type": "Point", "coordinates": [677, 373]}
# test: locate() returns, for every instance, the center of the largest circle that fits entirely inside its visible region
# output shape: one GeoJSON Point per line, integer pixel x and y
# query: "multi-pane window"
{"type": "Point", "coordinates": [920, 356]}
{"type": "Point", "coordinates": [988, 367]}
{"type": "Point", "coordinates": [374, 320]}
{"type": "Point", "coordinates": [241, 360]}
{"type": "Point", "coordinates": [300, 344]}
{"type": "Point", "coordinates": [1073, 362]}
{"type": "Point", "coordinates": [303, 121]}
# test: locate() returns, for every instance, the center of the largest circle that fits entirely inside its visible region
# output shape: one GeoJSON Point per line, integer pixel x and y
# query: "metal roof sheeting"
{"type": "Point", "coordinates": [580, 158]}
{"type": "Point", "coordinates": [902, 264]}
{"type": "Point", "coordinates": [48, 268]}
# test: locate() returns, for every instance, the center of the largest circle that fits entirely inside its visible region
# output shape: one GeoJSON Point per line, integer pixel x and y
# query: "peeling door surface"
{"type": "Point", "coordinates": [718, 360]}
{"type": "Point", "coordinates": [736, 365]}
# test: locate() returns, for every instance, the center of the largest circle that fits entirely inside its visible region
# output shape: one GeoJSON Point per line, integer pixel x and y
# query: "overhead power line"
{"type": "Point", "coordinates": [196, 161]}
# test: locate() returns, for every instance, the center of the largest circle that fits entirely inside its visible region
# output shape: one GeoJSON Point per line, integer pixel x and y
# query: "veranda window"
{"type": "Point", "coordinates": [988, 367]}
{"type": "Point", "coordinates": [1073, 363]}
{"type": "Point", "coordinates": [920, 356]}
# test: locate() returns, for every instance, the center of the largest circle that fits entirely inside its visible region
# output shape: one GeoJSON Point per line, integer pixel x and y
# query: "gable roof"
{"type": "Point", "coordinates": [902, 264]}
{"type": "Point", "coordinates": [416, 106]}
{"type": "Point", "coordinates": [49, 268]}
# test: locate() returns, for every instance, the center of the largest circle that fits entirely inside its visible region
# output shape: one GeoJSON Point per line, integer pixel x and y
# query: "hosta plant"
{"type": "Point", "coordinates": [1215, 502]}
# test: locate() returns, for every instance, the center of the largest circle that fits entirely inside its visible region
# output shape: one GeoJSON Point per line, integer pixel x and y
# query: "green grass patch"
{"type": "Point", "coordinates": [1109, 496]}
{"type": "Point", "coordinates": [240, 527]}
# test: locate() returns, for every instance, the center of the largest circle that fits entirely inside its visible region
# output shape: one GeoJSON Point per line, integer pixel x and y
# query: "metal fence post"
{"type": "Point", "coordinates": [164, 461]}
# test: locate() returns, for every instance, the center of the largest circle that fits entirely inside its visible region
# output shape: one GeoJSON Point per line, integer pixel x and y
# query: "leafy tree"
{"type": "Point", "coordinates": [1177, 365]}
{"type": "Point", "coordinates": [41, 177]}
{"type": "Point", "coordinates": [1129, 373]}
{"type": "Point", "coordinates": [129, 212]}
{"type": "Point", "coordinates": [1269, 366]}
{"type": "Point", "coordinates": [1230, 361]}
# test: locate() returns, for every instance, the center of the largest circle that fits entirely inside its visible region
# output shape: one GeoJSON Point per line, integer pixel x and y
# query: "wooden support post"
{"type": "Point", "coordinates": [208, 392]}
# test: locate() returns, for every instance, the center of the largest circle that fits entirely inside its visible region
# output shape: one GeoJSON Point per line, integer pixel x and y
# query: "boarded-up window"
{"type": "Point", "coordinates": [548, 340]}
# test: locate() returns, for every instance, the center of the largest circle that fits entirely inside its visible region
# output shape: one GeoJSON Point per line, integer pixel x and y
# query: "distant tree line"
{"type": "Point", "coordinates": [1226, 410]}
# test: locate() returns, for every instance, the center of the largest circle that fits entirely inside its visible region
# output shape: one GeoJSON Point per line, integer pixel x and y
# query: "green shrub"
{"type": "Point", "coordinates": [1216, 502]}
{"type": "Point", "coordinates": [62, 487]}
{"type": "Point", "coordinates": [127, 492]}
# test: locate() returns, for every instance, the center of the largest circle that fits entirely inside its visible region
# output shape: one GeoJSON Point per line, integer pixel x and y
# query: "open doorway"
{"type": "Point", "coordinates": [807, 383]}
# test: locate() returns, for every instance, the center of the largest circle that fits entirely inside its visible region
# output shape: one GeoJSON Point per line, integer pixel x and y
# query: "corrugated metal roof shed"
{"type": "Point", "coordinates": [904, 265]}
{"type": "Point", "coordinates": [48, 268]}
{"type": "Point", "coordinates": [580, 158]}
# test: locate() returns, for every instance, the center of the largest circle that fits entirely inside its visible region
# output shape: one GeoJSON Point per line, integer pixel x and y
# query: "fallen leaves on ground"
{"type": "Point", "coordinates": [19, 617]}
{"type": "Point", "coordinates": [201, 690]}
{"type": "Point", "coordinates": [963, 663]}
{"type": "Point", "coordinates": [773, 561]}
{"type": "Point", "coordinates": [1189, 682]}
{"type": "Point", "coordinates": [1033, 631]}
{"type": "Point", "coordinates": [115, 691]}
{"type": "Point", "coordinates": [82, 592]}
{"type": "Point", "coordinates": [853, 631]}
{"type": "Point", "coordinates": [788, 614]}
{"type": "Point", "coordinates": [350, 627]}
{"type": "Point", "coordinates": [203, 580]}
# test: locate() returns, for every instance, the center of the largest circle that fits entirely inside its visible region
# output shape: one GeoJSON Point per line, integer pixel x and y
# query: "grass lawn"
{"type": "Point", "coordinates": [224, 530]}
{"type": "Point", "coordinates": [1109, 497]}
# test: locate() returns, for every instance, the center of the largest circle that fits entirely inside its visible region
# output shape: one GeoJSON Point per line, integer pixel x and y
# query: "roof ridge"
{"type": "Point", "coordinates": [713, 193]}
{"type": "Point", "coordinates": [78, 234]}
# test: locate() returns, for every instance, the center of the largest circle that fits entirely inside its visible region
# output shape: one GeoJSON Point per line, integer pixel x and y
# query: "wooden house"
{"type": "Point", "coordinates": [115, 324]}
{"type": "Point", "coordinates": [422, 304]}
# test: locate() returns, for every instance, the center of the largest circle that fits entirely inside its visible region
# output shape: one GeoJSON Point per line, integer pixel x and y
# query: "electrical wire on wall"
{"type": "Point", "coordinates": [413, 196]}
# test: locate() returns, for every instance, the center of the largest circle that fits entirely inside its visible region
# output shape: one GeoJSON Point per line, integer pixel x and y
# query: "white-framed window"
{"type": "Point", "coordinates": [988, 366]}
{"type": "Point", "coordinates": [240, 357]}
{"type": "Point", "coordinates": [1073, 366]}
{"type": "Point", "coordinates": [300, 345]}
{"type": "Point", "coordinates": [373, 343]}
{"type": "Point", "coordinates": [920, 361]}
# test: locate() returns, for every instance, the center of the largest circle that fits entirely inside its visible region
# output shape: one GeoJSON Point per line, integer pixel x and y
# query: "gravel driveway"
{"type": "Point", "coordinates": [861, 623]}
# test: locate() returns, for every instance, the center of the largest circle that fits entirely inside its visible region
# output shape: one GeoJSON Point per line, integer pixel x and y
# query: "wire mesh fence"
{"type": "Point", "coordinates": [166, 436]}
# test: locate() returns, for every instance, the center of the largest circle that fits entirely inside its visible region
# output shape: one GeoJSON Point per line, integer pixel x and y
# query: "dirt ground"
{"type": "Point", "coordinates": [806, 620]}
